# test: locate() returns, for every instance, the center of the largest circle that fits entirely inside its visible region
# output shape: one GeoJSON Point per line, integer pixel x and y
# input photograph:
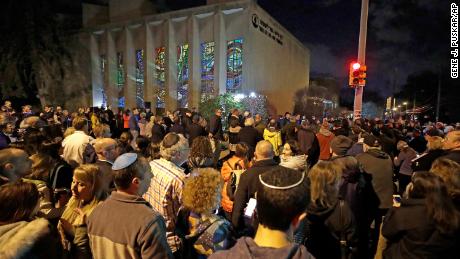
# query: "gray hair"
{"type": "Point", "coordinates": [171, 144]}
{"type": "Point", "coordinates": [249, 122]}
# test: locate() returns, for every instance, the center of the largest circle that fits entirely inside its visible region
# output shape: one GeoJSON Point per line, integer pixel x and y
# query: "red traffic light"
{"type": "Point", "coordinates": [353, 77]}
{"type": "Point", "coordinates": [356, 66]}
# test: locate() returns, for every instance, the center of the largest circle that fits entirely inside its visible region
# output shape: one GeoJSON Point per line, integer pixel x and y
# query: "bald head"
{"type": "Point", "coordinates": [106, 149]}
{"type": "Point", "coordinates": [264, 150]}
{"type": "Point", "coordinates": [14, 163]}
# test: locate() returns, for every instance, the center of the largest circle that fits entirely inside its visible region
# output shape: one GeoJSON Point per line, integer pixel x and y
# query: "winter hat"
{"type": "Point", "coordinates": [340, 145]}
{"type": "Point", "coordinates": [371, 141]}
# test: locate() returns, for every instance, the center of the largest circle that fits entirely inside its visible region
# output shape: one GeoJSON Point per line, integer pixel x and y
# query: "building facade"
{"type": "Point", "coordinates": [172, 60]}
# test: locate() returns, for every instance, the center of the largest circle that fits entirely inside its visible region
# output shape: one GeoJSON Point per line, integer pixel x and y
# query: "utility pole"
{"type": "Point", "coordinates": [357, 107]}
{"type": "Point", "coordinates": [438, 103]}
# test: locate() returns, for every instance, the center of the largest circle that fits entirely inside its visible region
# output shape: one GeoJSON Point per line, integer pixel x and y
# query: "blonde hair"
{"type": "Point", "coordinates": [69, 131]}
{"type": "Point", "coordinates": [202, 191]}
{"type": "Point", "coordinates": [324, 178]}
{"type": "Point", "coordinates": [434, 143]}
{"type": "Point", "coordinates": [91, 175]}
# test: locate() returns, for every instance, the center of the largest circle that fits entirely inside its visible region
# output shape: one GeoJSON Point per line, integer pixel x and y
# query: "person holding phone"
{"type": "Point", "coordinates": [282, 199]}
{"type": "Point", "coordinates": [426, 225]}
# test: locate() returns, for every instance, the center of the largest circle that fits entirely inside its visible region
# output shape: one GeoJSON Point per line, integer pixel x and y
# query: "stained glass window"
{"type": "Point", "coordinates": [160, 76]}
{"type": "Point", "coordinates": [207, 69]}
{"type": "Point", "coordinates": [120, 79]}
{"type": "Point", "coordinates": [140, 78]}
{"type": "Point", "coordinates": [103, 60]}
{"type": "Point", "coordinates": [182, 76]}
{"type": "Point", "coordinates": [234, 65]}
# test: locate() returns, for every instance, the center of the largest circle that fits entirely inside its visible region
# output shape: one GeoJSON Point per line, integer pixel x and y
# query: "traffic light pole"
{"type": "Point", "coordinates": [361, 57]}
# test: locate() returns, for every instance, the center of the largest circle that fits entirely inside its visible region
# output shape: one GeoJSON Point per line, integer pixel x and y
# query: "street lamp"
{"type": "Point", "coordinates": [405, 111]}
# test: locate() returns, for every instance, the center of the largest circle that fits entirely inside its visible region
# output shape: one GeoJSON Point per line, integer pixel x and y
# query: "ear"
{"type": "Point", "coordinates": [8, 166]}
{"type": "Point", "coordinates": [297, 219]}
{"type": "Point", "coordinates": [136, 181]}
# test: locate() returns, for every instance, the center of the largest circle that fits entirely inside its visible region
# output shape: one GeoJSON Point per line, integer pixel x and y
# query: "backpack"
{"type": "Point", "coordinates": [211, 235]}
{"type": "Point", "coordinates": [232, 184]}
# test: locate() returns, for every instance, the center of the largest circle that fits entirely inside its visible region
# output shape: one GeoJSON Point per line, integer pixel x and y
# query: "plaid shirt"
{"type": "Point", "coordinates": [165, 195]}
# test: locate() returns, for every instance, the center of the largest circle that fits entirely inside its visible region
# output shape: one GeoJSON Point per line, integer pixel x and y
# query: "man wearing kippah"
{"type": "Point", "coordinates": [282, 198]}
{"type": "Point", "coordinates": [125, 225]}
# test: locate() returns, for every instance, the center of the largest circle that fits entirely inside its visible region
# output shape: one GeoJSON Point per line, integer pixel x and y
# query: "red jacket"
{"type": "Point", "coordinates": [324, 138]}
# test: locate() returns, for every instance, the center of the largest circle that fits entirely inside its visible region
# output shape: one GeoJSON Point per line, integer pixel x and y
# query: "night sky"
{"type": "Point", "coordinates": [404, 36]}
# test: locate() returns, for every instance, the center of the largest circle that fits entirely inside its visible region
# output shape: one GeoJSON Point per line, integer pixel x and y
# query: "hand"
{"type": "Point", "coordinates": [66, 227]}
{"type": "Point", "coordinates": [82, 217]}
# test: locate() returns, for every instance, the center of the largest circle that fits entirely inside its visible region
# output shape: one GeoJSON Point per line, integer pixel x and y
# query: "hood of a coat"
{"type": "Point", "coordinates": [294, 162]}
{"type": "Point", "coordinates": [246, 247]}
{"type": "Point", "coordinates": [319, 212]}
{"type": "Point", "coordinates": [270, 133]}
{"type": "Point", "coordinates": [16, 239]}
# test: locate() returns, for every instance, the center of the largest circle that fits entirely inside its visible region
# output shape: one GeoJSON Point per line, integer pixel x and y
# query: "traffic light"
{"type": "Point", "coordinates": [353, 79]}
{"type": "Point", "coordinates": [362, 75]}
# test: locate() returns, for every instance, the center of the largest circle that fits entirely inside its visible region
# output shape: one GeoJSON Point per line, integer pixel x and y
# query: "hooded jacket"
{"type": "Point", "coordinates": [246, 248]}
{"type": "Point", "coordinates": [323, 228]}
{"type": "Point", "coordinates": [32, 240]}
{"type": "Point", "coordinates": [274, 137]}
{"type": "Point", "coordinates": [379, 165]}
{"type": "Point", "coordinates": [325, 137]}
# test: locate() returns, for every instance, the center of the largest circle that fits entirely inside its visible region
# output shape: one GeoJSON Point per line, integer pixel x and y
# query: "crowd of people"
{"type": "Point", "coordinates": [98, 184]}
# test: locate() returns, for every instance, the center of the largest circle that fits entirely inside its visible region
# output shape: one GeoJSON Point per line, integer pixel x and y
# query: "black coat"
{"type": "Point", "coordinates": [247, 187]}
{"type": "Point", "coordinates": [412, 234]}
{"type": "Point", "coordinates": [250, 136]}
{"type": "Point", "coordinates": [194, 130]}
{"type": "Point", "coordinates": [418, 144]}
{"type": "Point", "coordinates": [453, 155]}
{"type": "Point", "coordinates": [309, 145]}
{"type": "Point", "coordinates": [177, 128]}
{"type": "Point", "coordinates": [289, 131]}
{"type": "Point", "coordinates": [215, 127]}
{"type": "Point", "coordinates": [158, 133]}
{"type": "Point", "coordinates": [423, 162]}
{"type": "Point", "coordinates": [324, 227]}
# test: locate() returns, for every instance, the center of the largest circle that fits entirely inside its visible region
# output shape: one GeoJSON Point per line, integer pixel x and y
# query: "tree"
{"type": "Point", "coordinates": [225, 102]}
{"type": "Point", "coordinates": [34, 51]}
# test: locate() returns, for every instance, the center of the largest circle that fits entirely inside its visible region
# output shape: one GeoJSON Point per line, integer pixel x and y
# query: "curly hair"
{"type": "Point", "coordinates": [202, 190]}
{"type": "Point", "coordinates": [201, 147]}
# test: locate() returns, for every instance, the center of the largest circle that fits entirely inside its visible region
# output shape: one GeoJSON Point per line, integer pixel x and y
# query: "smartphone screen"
{"type": "Point", "coordinates": [250, 208]}
{"type": "Point", "coordinates": [396, 200]}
